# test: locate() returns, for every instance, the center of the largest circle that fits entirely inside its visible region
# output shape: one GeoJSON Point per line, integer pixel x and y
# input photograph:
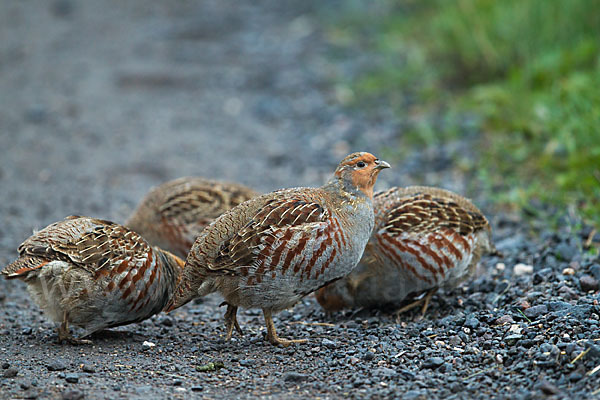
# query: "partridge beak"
{"type": "Point", "coordinates": [382, 164]}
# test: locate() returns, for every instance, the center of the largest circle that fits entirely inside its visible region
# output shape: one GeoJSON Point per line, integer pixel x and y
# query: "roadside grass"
{"type": "Point", "coordinates": [524, 75]}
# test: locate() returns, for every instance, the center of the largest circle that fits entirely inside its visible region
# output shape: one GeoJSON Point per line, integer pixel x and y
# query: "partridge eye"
{"type": "Point", "coordinates": [361, 164]}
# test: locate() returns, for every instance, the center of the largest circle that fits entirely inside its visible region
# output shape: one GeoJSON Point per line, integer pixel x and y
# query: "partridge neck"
{"type": "Point", "coordinates": [346, 188]}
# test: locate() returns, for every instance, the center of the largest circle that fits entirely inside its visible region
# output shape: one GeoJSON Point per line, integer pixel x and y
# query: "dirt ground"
{"type": "Point", "coordinates": [103, 99]}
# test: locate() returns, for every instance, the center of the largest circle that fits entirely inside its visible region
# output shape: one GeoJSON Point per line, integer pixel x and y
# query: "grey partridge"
{"type": "Point", "coordinates": [424, 238]}
{"type": "Point", "coordinates": [173, 214]}
{"type": "Point", "coordinates": [271, 251]}
{"type": "Point", "coordinates": [94, 274]}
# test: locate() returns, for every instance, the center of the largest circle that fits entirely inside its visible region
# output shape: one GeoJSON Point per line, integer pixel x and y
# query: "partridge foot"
{"type": "Point", "coordinates": [423, 300]}
{"type": "Point", "coordinates": [272, 333]}
{"type": "Point", "coordinates": [232, 322]}
{"type": "Point", "coordinates": [64, 335]}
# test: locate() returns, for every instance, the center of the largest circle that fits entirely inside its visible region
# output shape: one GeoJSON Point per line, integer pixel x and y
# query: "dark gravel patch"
{"type": "Point", "coordinates": [99, 103]}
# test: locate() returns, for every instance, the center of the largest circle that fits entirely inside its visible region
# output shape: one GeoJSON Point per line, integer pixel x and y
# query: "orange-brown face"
{"type": "Point", "coordinates": [362, 169]}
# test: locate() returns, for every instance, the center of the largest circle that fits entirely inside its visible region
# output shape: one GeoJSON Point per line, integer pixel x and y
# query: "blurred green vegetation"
{"type": "Point", "coordinates": [526, 73]}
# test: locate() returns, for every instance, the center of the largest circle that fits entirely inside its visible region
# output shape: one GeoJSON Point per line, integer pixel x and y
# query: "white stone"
{"type": "Point", "coordinates": [522, 269]}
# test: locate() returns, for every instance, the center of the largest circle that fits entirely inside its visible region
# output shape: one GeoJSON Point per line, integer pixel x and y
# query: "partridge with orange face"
{"type": "Point", "coordinates": [424, 238]}
{"type": "Point", "coordinates": [94, 274]}
{"type": "Point", "coordinates": [271, 251]}
{"type": "Point", "coordinates": [173, 214]}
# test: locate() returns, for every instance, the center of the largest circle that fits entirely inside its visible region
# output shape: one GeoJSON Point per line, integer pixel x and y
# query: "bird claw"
{"type": "Point", "coordinates": [276, 340]}
{"type": "Point", "coordinates": [232, 322]}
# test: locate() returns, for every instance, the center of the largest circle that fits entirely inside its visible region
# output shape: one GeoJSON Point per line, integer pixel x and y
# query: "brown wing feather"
{"type": "Point", "coordinates": [420, 209]}
{"type": "Point", "coordinates": [262, 230]}
{"type": "Point", "coordinates": [190, 199]}
{"type": "Point", "coordinates": [86, 242]}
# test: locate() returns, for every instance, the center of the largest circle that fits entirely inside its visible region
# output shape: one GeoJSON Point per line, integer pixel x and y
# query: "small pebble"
{"type": "Point", "coordinates": [567, 293]}
{"type": "Point", "coordinates": [536, 311]}
{"type": "Point", "coordinates": [432, 362]}
{"type": "Point", "coordinates": [72, 378]}
{"type": "Point", "coordinates": [73, 395]}
{"type": "Point", "coordinates": [294, 377]}
{"type": "Point", "coordinates": [548, 387]}
{"type": "Point", "coordinates": [472, 323]}
{"type": "Point", "coordinates": [522, 269]}
{"type": "Point", "coordinates": [568, 271]}
{"type": "Point", "coordinates": [56, 365]}
{"type": "Point", "coordinates": [512, 339]}
{"type": "Point", "coordinates": [588, 283]}
{"type": "Point", "coordinates": [595, 271]}
{"type": "Point", "coordinates": [505, 319]}
{"type": "Point", "coordinates": [89, 368]}
{"type": "Point", "coordinates": [10, 373]}
{"type": "Point", "coordinates": [148, 345]}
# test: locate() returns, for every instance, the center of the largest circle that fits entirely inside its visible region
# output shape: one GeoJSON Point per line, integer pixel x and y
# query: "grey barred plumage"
{"type": "Point", "coordinates": [173, 214]}
{"type": "Point", "coordinates": [94, 274]}
{"type": "Point", "coordinates": [272, 250]}
{"type": "Point", "coordinates": [424, 238]}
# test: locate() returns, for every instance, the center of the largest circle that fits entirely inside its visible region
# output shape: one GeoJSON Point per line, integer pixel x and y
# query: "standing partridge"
{"type": "Point", "coordinates": [94, 274]}
{"type": "Point", "coordinates": [424, 238]}
{"type": "Point", "coordinates": [271, 251]}
{"type": "Point", "coordinates": [173, 214]}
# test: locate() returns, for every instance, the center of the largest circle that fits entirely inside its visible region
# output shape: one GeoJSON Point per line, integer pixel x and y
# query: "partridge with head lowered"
{"type": "Point", "coordinates": [424, 238]}
{"type": "Point", "coordinates": [173, 214]}
{"type": "Point", "coordinates": [271, 251]}
{"type": "Point", "coordinates": [94, 274]}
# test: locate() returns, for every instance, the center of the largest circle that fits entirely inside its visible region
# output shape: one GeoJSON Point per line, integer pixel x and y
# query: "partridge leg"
{"type": "Point", "coordinates": [425, 299]}
{"type": "Point", "coordinates": [272, 334]}
{"type": "Point", "coordinates": [65, 335]}
{"type": "Point", "coordinates": [232, 322]}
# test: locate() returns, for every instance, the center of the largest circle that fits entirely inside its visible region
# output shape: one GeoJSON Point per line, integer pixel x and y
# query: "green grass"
{"type": "Point", "coordinates": [525, 72]}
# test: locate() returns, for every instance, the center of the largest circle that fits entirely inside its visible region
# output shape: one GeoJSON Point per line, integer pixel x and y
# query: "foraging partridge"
{"type": "Point", "coordinates": [173, 214]}
{"type": "Point", "coordinates": [424, 238]}
{"type": "Point", "coordinates": [271, 251]}
{"type": "Point", "coordinates": [94, 274]}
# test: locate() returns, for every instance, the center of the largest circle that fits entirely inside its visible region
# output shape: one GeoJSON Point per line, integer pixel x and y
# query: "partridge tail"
{"type": "Point", "coordinates": [22, 266]}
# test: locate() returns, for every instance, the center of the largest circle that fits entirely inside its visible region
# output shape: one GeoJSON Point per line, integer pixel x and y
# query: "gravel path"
{"type": "Point", "coordinates": [103, 99]}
